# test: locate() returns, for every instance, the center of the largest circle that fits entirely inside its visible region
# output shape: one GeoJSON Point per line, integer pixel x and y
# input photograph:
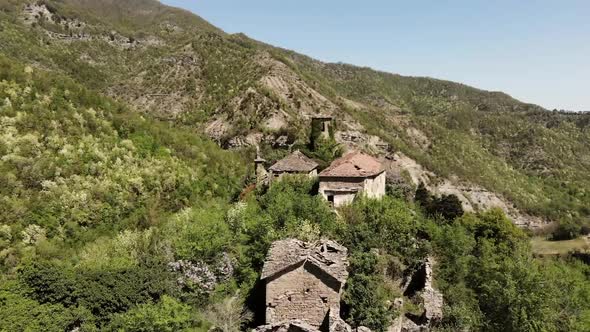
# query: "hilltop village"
{"type": "Point", "coordinates": [355, 173]}
{"type": "Point", "coordinates": [304, 281]}
{"type": "Point", "coordinates": [129, 202]}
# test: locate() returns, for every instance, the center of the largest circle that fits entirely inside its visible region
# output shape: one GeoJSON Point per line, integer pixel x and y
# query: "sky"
{"type": "Point", "coordinates": [536, 51]}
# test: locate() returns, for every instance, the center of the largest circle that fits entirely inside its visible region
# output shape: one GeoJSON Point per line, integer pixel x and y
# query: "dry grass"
{"type": "Point", "coordinates": [542, 246]}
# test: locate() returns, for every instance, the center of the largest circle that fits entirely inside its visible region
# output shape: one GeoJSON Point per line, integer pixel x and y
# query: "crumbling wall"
{"type": "Point", "coordinates": [299, 294]}
{"type": "Point", "coordinates": [420, 287]}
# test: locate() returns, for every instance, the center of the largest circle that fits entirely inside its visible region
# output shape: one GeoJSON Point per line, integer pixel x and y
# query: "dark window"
{"type": "Point", "coordinates": [331, 199]}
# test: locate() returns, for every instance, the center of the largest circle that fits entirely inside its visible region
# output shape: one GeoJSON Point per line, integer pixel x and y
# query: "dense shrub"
{"type": "Point", "coordinates": [447, 207]}
{"type": "Point", "coordinates": [102, 292]}
{"type": "Point", "coordinates": [365, 296]}
{"type": "Point", "coordinates": [566, 230]}
{"type": "Point", "coordinates": [166, 315]}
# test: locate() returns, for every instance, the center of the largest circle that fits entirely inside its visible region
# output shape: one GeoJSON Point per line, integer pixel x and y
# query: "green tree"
{"type": "Point", "coordinates": [167, 315]}
{"type": "Point", "coordinates": [448, 207]}
{"type": "Point", "coordinates": [365, 295]}
{"type": "Point", "coordinates": [566, 230]}
{"type": "Point", "coordinates": [422, 196]}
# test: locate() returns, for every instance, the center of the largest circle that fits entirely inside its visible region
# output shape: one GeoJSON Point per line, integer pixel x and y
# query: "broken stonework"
{"type": "Point", "coordinates": [299, 326]}
{"type": "Point", "coordinates": [419, 286]}
{"type": "Point", "coordinates": [304, 282]}
{"type": "Point", "coordinates": [292, 326]}
{"type": "Point", "coordinates": [432, 298]}
{"type": "Point", "coordinates": [337, 324]}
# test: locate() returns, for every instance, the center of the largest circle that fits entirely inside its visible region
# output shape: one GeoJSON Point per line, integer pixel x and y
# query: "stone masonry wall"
{"type": "Point", "coordinates": [375, 187]}
{"type": "Point", "coordinates": [299, 293]}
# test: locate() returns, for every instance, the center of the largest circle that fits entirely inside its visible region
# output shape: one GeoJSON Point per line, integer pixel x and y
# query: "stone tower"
{"type": "Point", "coordinates": [323, 123]}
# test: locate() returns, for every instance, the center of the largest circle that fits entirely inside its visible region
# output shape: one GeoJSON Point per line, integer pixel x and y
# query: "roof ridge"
{"type": "Point", "coordinates": [296, 161]}
{"type": "Point", "coordinates": [354, 164]}
{"type": "Point", "coordinates": [296, 252]}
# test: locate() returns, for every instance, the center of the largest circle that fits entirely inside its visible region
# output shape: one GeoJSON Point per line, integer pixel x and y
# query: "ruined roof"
{"type": "Point", "coordinates": [353, 164]}
{"type": "Point", "coordinates": [327, 255]}
{"type": "Point", "coordinates": [295, 162]}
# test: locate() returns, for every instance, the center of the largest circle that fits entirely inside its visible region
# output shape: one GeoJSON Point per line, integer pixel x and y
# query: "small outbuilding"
{"type": "Point", "coordinates": [295, 163]}
{"type": "Point", "coordinates": [304, 281]}
{"type": "Point", "coordinates": [354, 173]}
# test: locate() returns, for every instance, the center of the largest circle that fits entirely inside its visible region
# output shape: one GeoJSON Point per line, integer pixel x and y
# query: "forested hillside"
{"type": "Point", "coordinates": [176, 66]}
{"type": "Point", "coordinates": [127, 130]}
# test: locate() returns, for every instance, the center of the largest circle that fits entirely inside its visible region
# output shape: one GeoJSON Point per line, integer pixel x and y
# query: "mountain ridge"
{"type": "Point", "coordinates": [129, 200]}
{"type": "Point", "coordinates": [176, 66]}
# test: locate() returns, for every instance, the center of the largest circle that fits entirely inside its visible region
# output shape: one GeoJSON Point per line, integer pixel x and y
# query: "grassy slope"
{"type": "Point", "coordinates": [542, 246]}
{"type": "Point", "coordinates": [77, 163]}
{"type": "Point", "coordinates": [83, 167]}
{"type": "Point", "coordinates": [537, 159]}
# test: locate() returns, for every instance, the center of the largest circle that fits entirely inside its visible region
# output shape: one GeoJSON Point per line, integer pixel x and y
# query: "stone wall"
{"type": "Point", "coordinates": [300, 294]}
{"type": "Point", "coordinates": [375, 187]}
{"type": "Point", "coordinates": [278, 175]}
{"type": "Point", "coordinates": [344, 190]}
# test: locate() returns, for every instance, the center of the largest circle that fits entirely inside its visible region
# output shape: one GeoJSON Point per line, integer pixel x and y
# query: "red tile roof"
{"type": "Point", "coordinates": [295, 162]}
{"type": "Point", "coordinates": [353, 164]}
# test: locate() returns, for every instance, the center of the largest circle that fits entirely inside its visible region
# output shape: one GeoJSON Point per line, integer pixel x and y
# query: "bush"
{"type": "Point", "coordinates": [566, 230]}
{"type": "Point", "coordinates": [167, 315]}
{"type": "Point", "coordinates": [365, 296]}
{"type": "Point", "coordinates": [19, 313]}
{"type": "Point", "coordinates": [102, 292]}
{"type": "Point", "coordinates": [448, 207]}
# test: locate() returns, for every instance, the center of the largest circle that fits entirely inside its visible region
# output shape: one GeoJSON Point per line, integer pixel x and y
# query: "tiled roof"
{"type": "Point", "coordinates": [326, 255]}
{"type": "Point", "coordinates": [353, 164]}
{"type": "Point", "coordinates": [295, 162]}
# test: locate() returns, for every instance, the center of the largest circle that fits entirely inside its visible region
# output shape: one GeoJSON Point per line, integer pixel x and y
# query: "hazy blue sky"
{"type": "Point", "coordinates": [537, 51]}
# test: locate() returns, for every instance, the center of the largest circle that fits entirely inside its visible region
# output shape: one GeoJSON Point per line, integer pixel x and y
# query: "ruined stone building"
{"type": "Point", "coordinates": [323, 124]}
{"type": "Point", "coordinates": [295, 163]}
{"type": "Point", "coordinates": [304, 282]}
{"type": "Point", "coordinates": [260, 171]}
{"type": "Point", "coordinates": [351, 175]}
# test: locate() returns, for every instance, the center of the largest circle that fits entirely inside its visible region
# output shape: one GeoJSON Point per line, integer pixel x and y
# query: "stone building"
{"type": "Point", "coordinates": [323, 123]}
{"type": "Point", "coordinates": [350, 175]}
{"type": "Point", "coordinates": [304, 282]}
{"type": "Point", "coordinates": [295, 163]}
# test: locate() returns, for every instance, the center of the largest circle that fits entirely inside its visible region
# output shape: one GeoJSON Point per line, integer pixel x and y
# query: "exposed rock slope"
{"type": "Point", "coordinates": [486, 147]}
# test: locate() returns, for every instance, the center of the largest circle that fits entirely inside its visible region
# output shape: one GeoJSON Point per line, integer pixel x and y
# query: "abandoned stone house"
{"type": "Point", "coordinates": [351, 175]}
{"type": "Point", "coordinates": [295, 163]}
{"type": "Point", "coordinates": [304, 281]}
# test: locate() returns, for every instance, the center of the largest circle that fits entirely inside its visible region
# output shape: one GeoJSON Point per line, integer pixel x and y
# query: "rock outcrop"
{"type": "Point", "coordinates": [202, 275]}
